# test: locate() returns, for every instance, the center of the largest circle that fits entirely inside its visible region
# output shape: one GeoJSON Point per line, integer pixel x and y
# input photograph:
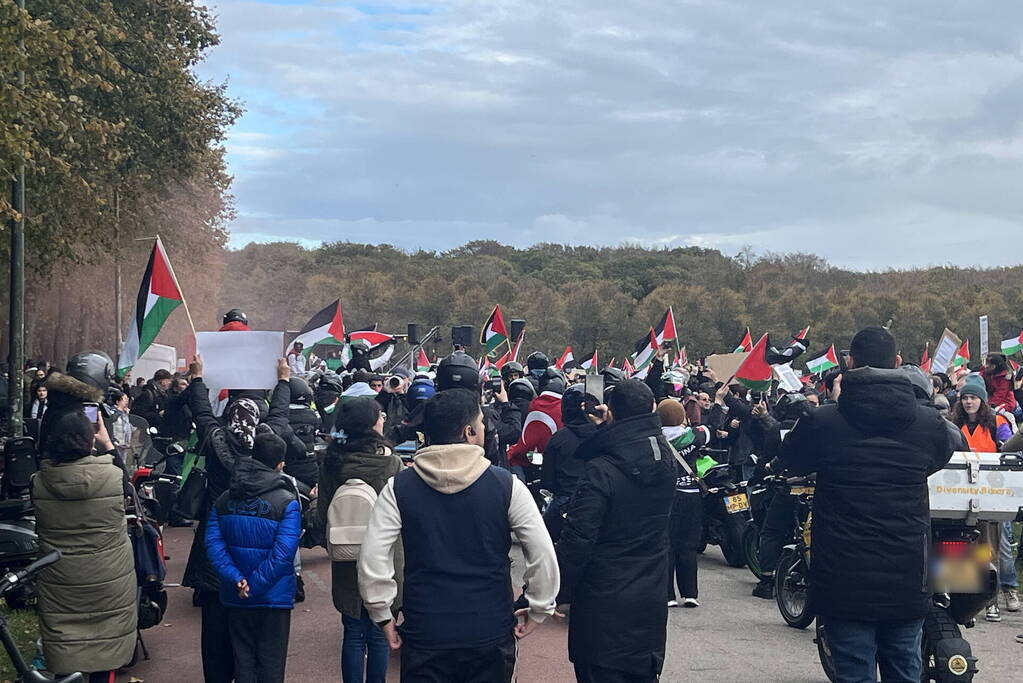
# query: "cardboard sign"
{"type": "Point", "coordinates": [984, 347]}
{"type": "Point", "coordinates": [240, 360]}
{"type": "Point", "coordinates": [724, 365]}
{"type": "Point", "coordinates": [945, 351]}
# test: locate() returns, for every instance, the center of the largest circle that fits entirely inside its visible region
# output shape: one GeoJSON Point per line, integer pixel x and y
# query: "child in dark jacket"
{"type": "Point", "coordinates": [251, 539]}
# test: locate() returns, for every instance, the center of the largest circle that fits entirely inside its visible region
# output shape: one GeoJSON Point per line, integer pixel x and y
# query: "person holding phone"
{"type": "Point", "coordinates": [79, 509]}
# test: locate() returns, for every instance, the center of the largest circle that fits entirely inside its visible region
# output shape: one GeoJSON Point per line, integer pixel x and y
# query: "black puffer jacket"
{"type": "Point", "coordinates": [613, 551]}
{"type": "Point", "coordinates": [150, 404]}
{"type": "Point", "coordinates": [872, 452]}
{"type": "Point", "coordinates": [561, 469]}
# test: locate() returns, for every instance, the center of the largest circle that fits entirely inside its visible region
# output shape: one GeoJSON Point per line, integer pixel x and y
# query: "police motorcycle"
{"type": "Point", "coordinates": [969, 499]}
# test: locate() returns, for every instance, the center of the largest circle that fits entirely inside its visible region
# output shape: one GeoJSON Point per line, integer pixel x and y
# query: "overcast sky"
{"type": "Point", "coordinates": [874, 133]}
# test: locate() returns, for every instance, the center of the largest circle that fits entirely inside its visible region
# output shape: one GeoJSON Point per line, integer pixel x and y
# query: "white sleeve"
{"type": "Point", "coordinates": [377, 586]}
{"type": "Point", "coordinates": [542, 579]}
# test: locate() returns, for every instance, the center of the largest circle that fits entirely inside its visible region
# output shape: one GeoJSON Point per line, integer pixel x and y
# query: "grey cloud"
{"type": "Point", "coordinates": [786, 126]}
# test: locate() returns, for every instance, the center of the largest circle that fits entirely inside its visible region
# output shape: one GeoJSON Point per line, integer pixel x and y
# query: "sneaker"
{"type": "Point", "coordinates": [690, 602]}
{"type": "Point", "coordinates": [673, 603]}
{"type": "Point", "coordinates": [992, 613]}
{"type": "Point", "coordinates": [1011, 599]}
{"type": "Point", "coordinates": [764, 589]}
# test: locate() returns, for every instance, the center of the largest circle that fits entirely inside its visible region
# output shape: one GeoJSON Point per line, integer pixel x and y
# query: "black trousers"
{"type": "Point", "coordinates": [686, 528]}
{"type": "Point", "coordinates": [590, 673]}
{"type": "Point", "coordinates": [488, 664]}
{"type": "Point", "coordinates": [217, 654]}
{"type": "Point", "coordinates": [779, 525]}
{"type": "Point", "coordinates": [259, 637]}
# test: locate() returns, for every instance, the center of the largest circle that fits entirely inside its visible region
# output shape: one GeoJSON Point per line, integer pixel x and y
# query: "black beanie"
{"type": "Point", "coordinates": [358, 415]}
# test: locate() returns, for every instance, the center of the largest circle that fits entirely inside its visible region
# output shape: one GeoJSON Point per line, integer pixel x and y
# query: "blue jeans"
{"type": "Point", "coordinates": [859, 648]}
{"type": "Point", "coordinates": [364, 651]}
{"type": "Point", "coordinates": [1006, 561]}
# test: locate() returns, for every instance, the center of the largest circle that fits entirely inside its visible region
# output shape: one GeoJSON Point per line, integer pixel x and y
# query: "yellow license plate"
{"type": "Point", "coordinates": [800, 490]}
{"type": "Point", "coordinates": [737, 503]}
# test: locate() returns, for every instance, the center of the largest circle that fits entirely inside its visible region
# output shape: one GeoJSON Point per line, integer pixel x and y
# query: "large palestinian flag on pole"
{"type": "Point", "coordinates": [159, 294]}
{"type": "Point", "coordinates": [494, 332]}
{"type": "Point", "coordinates": [326, 326]}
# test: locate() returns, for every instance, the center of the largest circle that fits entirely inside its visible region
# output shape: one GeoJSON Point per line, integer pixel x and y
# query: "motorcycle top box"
{"type": "Point", "coordinates": [978, 486]}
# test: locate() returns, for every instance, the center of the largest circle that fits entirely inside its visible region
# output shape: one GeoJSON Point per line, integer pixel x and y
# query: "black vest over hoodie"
{"type": "Point", "coordinates": [457, 582]}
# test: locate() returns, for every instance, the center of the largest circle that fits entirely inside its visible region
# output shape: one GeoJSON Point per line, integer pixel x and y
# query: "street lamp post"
{"type": "Point", "coordinates": [16, 383]}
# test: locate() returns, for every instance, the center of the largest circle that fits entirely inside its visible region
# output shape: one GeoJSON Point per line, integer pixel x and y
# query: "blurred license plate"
{"type": "Point", "coordinates": [800, 490]}
{"type": "Point", "coordinates": [958, 576]}
{"type": "Point", "coordinates": [737, 503]}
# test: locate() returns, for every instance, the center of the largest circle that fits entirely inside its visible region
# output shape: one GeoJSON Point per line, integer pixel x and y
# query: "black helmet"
{"type": "Point", "coordinates": [537, 362]}
{"type": "Point", "coordinates": [553, 380]}
{"type": "Point", "coordinates": [791, 407]}
{"type": "Point", "coordinates": [93, 368]}
{"type": "Point", "coordinates": [330, 382]}
{"type": "Point", "coordinates": [572, 403]}
{"type": "Point", "coordinates": [510, 367]}
{"type": "Point", "coordinates": [458, 370]}
{"type": "Point", "coordinates": [300, 391]}
{"type": "Point", "coordinates": [612, 376]}
{"type": "Point", "coordinates": [521, 390]}
{"type": "Point", "coordinates": [235, 315]}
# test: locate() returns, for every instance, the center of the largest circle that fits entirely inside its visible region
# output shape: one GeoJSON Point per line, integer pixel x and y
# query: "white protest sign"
{"type": "Point", "coordinates": [240, 360]}
{"type": "Point", "coordinates": [787, 377]}
{"type": "Point", "coordinates": [945, 351]}
{"type": "Point", "coordinates": [725, 365]}
{"type": "Point", "coordinates": [984, 348]}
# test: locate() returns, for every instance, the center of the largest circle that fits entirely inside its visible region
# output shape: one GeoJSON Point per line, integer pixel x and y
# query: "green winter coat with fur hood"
{"type": "Point", "coordinates": [87, 600]}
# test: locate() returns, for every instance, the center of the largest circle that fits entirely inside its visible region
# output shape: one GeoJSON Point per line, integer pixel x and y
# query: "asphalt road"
{"type": "Point", "coordinates": [731, 637]}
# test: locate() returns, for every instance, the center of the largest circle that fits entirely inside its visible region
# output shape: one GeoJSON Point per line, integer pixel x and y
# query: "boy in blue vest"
{"type": "Point", "coordinates": [251, 539]}
{"type": "Point", "coordinates": [455, 514]}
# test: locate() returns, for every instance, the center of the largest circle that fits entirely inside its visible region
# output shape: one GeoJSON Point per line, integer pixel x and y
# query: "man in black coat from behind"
{"type": "Point", "coordinates": [872, 451]}
{"type": "Point", "coordinates": [613, 551]}
{"type": "Point", "coordinates": [561, 468]}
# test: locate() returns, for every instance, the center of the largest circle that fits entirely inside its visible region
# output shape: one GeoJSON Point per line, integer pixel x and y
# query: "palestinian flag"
{"type": "Point", "coordinates": [488, 369]}
{"type": "Point", "coordinates": [645, 351]}
{"type": "Point", "coordinates": [628, 369]}
{"type": "Point", "coordinates": [590, 364]}
{"type": "Point", "coordinates": [800, 342]}
{"type": "Point", "coordinates": [159, 294]}
{"type": "Point", "coordinates": [756, 373]}
{"type": "Point", "coordinates": [925, 359]}
{"type": "Point", "coordinates": [373, 338]}
{"type": "Point", "coordinates": [422, 362]}
{"type": "Point", "coordinates": [327, 326]}
{"type": "Point", "coordinates": [962, 357]}
{"type": "Point", "coordinates": [818, 366]}
{"type": "Point", "coordinates": [494, 332]}
{"type": "Point", "coordinates": [665, 330]}
{"type": "Point", "coordinates": [683, 358]}
{"type": "Point", "coordinates": [1013, 346]}
{"type": "Point", "coordinates": [567, 360]}
{"type": "Point", "coordinates": [746, 345]}
{"type": "Point", "coordinates": [514, 357]}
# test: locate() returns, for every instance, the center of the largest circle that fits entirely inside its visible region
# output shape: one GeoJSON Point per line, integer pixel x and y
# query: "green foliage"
{"type": "Point", "coordinates": [608, 297]}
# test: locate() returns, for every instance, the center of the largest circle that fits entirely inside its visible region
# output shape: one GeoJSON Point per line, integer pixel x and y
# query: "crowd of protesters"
{"type": "Point", "coordinates": [422, 563]}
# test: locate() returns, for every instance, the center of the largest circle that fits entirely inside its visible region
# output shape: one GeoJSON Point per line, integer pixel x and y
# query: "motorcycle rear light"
{"type": "Point", "coordinates": [953, 548]}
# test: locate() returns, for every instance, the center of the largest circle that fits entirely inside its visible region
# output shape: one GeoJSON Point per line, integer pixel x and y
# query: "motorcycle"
{"type": "Point", "coordinates": [965, 580]}
{"type": "Point", "coordinates": [725, 507]}
{"type": "Point", "coordinates": [761, 492]}
{"type": "Point", "coordinates": [13, 582]}
{"type": "Point", "coordinates": [792, 576]}
{"type": "Point", "coordinates": [19, 545]}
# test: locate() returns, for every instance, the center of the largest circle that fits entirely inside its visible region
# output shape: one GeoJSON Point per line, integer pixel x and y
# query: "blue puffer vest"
{"type": "Point", "coordinates": [253, 534]}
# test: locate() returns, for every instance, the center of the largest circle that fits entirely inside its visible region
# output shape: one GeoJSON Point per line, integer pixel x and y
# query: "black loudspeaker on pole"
{"type": "Point", "coordinates": [461, 335]}
{"type": "Point", "coordinates": [516, 329]}
{"type": "Point", "coordinates": [413, 334]}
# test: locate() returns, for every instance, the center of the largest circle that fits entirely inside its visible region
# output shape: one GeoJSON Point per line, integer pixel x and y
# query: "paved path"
{"type": "Point", "coordinates": [732, 637]}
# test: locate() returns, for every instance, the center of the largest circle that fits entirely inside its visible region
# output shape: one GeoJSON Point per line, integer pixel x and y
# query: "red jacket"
{"type": "Point", "coordinates": [999, 390]}
{"type": "Point", "coordinates": [539, 426]}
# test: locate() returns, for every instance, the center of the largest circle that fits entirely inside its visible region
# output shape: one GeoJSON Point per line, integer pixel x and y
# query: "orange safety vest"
{"type": "Point", "coordinates": [981, 441]}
